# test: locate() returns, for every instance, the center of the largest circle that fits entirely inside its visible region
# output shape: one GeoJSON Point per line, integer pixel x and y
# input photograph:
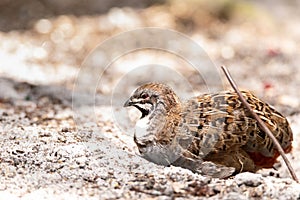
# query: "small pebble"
{"type": "Point", "coordinates": [249, 179]}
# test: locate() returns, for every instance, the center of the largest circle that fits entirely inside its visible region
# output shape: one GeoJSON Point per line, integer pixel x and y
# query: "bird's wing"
{"type": "Point", "coordinates": [219, 122]}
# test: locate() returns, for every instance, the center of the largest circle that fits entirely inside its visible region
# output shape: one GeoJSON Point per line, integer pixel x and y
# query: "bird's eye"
{"type": "Point", "coordinates": [144, 96]}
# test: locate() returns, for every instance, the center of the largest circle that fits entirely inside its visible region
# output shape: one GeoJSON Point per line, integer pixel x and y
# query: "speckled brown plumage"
{"type": "Point", "coordinates": [211, 128]}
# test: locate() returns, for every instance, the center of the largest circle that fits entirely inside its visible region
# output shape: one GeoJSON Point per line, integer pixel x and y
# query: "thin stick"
{"type": "Point", "coordinates": [261, 123]}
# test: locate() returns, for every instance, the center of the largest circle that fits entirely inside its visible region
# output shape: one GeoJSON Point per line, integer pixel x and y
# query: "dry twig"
{"type": "Point", "coordinates": [261, 123]}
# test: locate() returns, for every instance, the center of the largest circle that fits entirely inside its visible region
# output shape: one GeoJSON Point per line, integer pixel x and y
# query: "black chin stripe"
{"type": "Point", "coordinates": [143, 111]}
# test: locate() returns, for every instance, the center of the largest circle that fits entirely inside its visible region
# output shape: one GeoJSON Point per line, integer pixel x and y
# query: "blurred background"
{"type": "Point", "coordinates": [45, 41]}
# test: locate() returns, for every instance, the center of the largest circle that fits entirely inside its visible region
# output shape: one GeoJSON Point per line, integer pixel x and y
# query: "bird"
{"type": "Point", "coordinates": [212, 134]}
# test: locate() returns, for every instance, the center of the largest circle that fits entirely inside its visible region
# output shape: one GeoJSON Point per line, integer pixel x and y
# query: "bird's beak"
{"type": "Point", "coordinates": [129, 102]}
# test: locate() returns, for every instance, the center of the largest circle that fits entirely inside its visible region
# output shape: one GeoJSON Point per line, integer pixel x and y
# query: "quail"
{"type": "Point", "coordinates": [212, 134]}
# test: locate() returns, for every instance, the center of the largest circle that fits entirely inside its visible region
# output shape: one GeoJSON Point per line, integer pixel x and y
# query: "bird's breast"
{"type": "Point", "coordinates": [142, 133]}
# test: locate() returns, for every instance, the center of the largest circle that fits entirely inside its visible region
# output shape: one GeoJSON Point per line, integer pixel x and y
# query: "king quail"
{"type": "Point", "coordinates": [212, 134]}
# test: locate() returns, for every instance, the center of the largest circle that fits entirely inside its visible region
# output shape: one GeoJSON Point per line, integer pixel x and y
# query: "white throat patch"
{"type": "Point", "coordinates": [141, 128]}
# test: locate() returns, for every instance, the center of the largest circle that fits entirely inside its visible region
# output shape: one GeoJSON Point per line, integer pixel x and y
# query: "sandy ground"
{"type": "Point", "coordinates": [62, 141]}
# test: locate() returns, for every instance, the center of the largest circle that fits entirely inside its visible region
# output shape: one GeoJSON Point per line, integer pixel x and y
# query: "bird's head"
{"type": "Point", "coordinates": [151, 96]}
